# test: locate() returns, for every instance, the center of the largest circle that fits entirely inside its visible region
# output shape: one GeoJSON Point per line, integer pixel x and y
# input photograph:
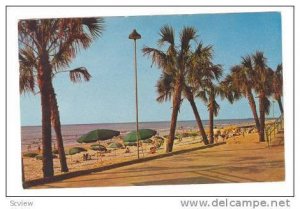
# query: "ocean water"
{"type": "Point", "coordinates": [31, 135]}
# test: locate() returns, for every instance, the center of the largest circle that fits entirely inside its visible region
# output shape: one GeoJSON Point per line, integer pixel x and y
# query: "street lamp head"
{"type": "Point", "coordinates": [134, 35]}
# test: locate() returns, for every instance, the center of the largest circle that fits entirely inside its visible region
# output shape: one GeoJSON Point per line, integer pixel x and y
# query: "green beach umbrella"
{"type": "Point", "coordinates": [98, 135]}
{"type": "Point", "coordinates": [143, 135]}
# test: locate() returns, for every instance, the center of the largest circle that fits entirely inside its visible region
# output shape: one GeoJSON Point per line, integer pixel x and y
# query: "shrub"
{"type": "Point", "coordinates": [40, 157]}
{"type": "Point", "coordinates": [194, 134]}
{"type": "Point", "coordinates": [147, 141]}
{"type": "Point", "coordinates": [75, 150]}
{"type": "Point", "coordinates": [98, 147]}
{"type": "Point", "coordinates": [55, 151]}
{"type": "Point", "coordinates": [30, 154]}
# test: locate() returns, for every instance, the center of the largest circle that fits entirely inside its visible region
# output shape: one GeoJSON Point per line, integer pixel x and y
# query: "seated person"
{"type": "Point", "coordinates": [127, 150]}
{"type": "Point", "coordinates": [152, 150]}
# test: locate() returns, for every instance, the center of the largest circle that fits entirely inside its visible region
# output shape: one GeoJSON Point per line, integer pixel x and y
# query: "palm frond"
{"type": "Point", "coordinates": [278, 82]}
{"type": "Point", "coordinates": [160, 59]}
{"type": "Point", "coordinates": [27, 67]}
{"type": "Point", "coordinates": [216, 107]}
{"type": "Point", "coordinates": [186, 35]}
{"type": "Point", "coordinates": [95, 26]}
{"type": "Point", "coordinates": [167, 35]}
{"type": "Point", "coordinates": [202, 94]}
{"type": "Point", "coordinates": [267, 105]}
{"type": "Point", "coordinates": [247, 62]}
{"type": "Point", "coordinates": [76, 75]}
{"type": "Point", "coordinates": [164, 88]}
{"type": "Point", "coordinates": [259, 60]}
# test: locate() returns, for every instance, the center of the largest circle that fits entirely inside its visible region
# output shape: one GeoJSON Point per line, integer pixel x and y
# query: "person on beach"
{"type": "Point", "coordinates": [127, 150]}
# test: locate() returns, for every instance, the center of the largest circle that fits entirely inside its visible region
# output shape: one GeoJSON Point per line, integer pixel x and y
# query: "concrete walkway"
{"type": "Point", "coordinates": [253, 162]}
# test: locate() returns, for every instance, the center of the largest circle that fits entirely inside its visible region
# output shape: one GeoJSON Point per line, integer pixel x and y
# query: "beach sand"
{"type": "Point", "coordinates": [33, 167]}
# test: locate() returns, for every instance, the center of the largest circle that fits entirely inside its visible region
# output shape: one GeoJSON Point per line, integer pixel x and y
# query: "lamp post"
{"type": "Point", "coordinates": [135, 36]}
{"type": "Point", "coordinates": [273, 101]}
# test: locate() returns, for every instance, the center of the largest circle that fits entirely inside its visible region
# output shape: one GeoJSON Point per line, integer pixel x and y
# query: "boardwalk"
{"type": "Point", "coordinates": [226, 163]}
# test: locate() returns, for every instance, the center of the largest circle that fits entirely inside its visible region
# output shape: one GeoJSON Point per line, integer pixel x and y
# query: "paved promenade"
{"type": "Point", "coordinates": [225, 163]}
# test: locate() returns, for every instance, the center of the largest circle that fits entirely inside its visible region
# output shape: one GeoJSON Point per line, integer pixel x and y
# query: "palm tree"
{"type": "Point", "coordinates": [208, 91]}
{"type": "Point", "coordinates": [242, 79]}
{"type": "Point", "coordinates": [202, 71]}
{"type": "Point", "coordinates": [28, 84]}
{"type": "Point", "coordinates": [189, 93]}
{"type": "Point", "coordinates": [208, 95]}
{"type": "Point", "coordinates": [228, 90]}
{"type": "Point", "coordinates": [199, 71]}
{"type": "Point", "coordinates": [277, 86]}
{"type": "Point", "coordinates": [263, 87]}
{"type": "Point", "coordinates": [173, 61]}
{"type": "Point", "coordinates": [165, 88]}
{"type": "Point", "coordinates": [53, 43]}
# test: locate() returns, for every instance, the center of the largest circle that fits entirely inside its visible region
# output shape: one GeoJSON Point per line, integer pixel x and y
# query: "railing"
{"type": "Point", "coordinates": [273, 128]}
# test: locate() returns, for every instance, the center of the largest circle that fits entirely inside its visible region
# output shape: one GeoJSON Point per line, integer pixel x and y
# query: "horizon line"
{"type": "Point", "coordinates": [71, 124]}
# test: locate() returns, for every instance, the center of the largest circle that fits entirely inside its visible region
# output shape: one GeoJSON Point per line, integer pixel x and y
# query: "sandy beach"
{"type": "Point", "coordinates": [241, 159]}
{"type": "Point", "coordinates": [33, 166]}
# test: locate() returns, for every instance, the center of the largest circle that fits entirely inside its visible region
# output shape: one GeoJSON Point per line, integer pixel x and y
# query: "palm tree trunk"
{"type": "Point", "coordinates": [44, 82]}
{"type": "Point", "coordinates": [190, 98]}
{"type": "Point", "coordinates": [55, 119]}
{"type": "Point", "coordinates": [211, 121]}
{"type": "Point", "coordinates": [253, 109]}
{"type": "Point", "coordinates": [176, 106]}
{"type": "Point", "coordinates": [280, 105]}
{"type": "Point", "coordinates": [262, 117]}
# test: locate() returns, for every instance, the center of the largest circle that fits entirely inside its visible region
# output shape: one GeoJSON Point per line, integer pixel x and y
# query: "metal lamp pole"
{"type": "Point", "coordinates": [273, 108]}
{"type": "Point", "coordinates": [135, 36]}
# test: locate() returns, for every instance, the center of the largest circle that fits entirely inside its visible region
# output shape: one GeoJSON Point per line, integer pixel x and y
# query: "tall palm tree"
{"type": "Point", "coordinates": [277, 86]}
{"type": "Point", "coordinates": [189, 93]}
{"type": "Point", "coordinates": [208, 95]}
{"type": "Point", "coordinates": [173, 61]}
{"type": "Point", "coordinates": [199, 71]}
{"type": "Point", "coordinates": [242, 78]}
{"type": "Point", "coordinates": [263, 87]}
{"type": "Point", "coordinates": [53, 43]}
{"type": "Point", "coordinates": [75, 76]}
{"type": "Point", "coordinates": [208, 91]}
{"type": "Point", "coordinates": [28, 84]}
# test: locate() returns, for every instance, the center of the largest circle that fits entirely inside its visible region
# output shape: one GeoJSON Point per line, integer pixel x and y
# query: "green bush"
{"type": "Point", "coordinates": [55, 151]}
{"type": "Point", "coordinates": [194, 134]}
{"type": "Point", "coordinates": [147, 141]}
{"type": "Point", "coordinates": [98, 147]}
{"type": "Point", "coordinates": [167, 136]}
{"type": "Point", "coordinates": [75, 150]}
{"type": "Point", "coordinates": [30, 154]}
{"type": "Point", "coordinates": [186, 134]}
{"type": "Point", "coordinates": [40, 157]}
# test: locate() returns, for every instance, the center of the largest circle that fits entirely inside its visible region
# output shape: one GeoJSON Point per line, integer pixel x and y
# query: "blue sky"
{"type": "Point", "coordinates": [109, 96]}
